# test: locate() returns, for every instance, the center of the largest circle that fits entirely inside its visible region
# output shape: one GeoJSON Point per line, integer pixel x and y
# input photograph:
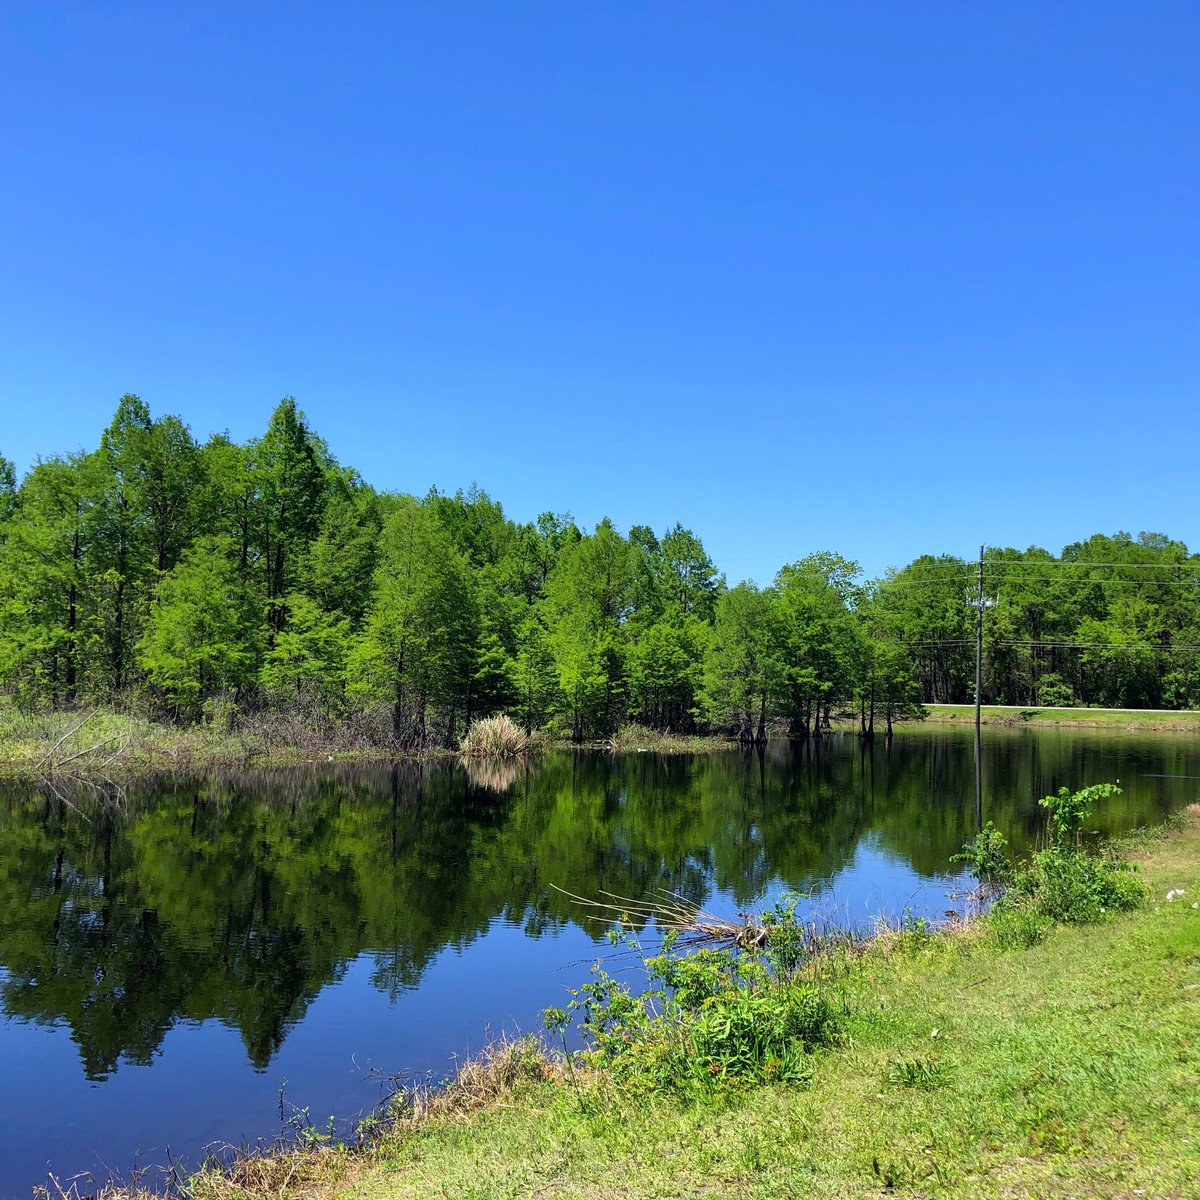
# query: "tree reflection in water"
{"type": "Point", "coordinates": [240, 896]}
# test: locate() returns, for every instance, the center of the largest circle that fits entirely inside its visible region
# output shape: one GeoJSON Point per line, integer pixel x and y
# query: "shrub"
{"type": "Point", "coordinates": [1055, 692]}
{"type": "Point", "coordinates": [986, 857]}
{"type": "Point", "coordinates": [1064, 882]}
{"type": "Point", "coordinates": [1068, 810]}
{"type": "Point", "coordinates": [1075, 887]}
{"type": "Point", "coordinates": [1067, 883]}
{"type": "Point", "coordinates": [712, 1023]}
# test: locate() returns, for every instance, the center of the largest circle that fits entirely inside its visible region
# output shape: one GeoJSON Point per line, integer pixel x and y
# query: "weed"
{"type": "Point", "coordinates": [925, 1074]}
{"type": "Point", "coordinates": [1067, 882]}
{"type": "Point", "coordinates": [1068, 810]}
{"type": "Point", "coordinates": [1017, 926]}
{"type": "Point", "coordinates": [987, 857]}
{"type": "Point", "coordinates": [711, 1023]}
{"type": "Point", "coordinates": [914, 934]}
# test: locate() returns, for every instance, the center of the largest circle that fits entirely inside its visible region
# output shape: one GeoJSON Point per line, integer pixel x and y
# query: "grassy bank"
{"type": "Point", "coordinates": [90, 742]}
{"type": "Point", "coordinates": [1140, 720]}
{"type": "Point", "coordinates": [640, 739]}
{"type": "Point", "coordinates": [964, 1068]}
{"type": "Point", "coordinates": [94, 742]}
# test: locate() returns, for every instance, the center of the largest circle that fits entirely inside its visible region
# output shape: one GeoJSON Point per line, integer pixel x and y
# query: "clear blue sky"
{"type": "Point", "coordinates": [879, 278]}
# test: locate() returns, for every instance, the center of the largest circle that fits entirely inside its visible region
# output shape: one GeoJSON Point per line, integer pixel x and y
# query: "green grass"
{"type": "Point", "coordinates": [637, 738]}
{"type": "Point", "coordinates": [1100, 718]}
{"type": "Point", "coordinates": [1067, 1069]}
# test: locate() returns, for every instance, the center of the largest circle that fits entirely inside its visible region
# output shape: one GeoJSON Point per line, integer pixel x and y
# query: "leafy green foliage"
{"type": "Point", "coordinates": [416, 646]}
{"type": "Point", "coordinates": [1066, 882]}
{"type": "Point", "coordinates": [710, 1024]}
{"type": "Point", "coordinates": [1068, 810]}
{"type": "Point", "coordinates": [986, 856]}
{"type": "Point", "coordinates": [308, 658]}
{"type": "Point", "coordinates": [200, 636]}
{"type": "Point", "coordinates": [1078, 887]}
{"type": "Point", "coordinates": [566, 629]}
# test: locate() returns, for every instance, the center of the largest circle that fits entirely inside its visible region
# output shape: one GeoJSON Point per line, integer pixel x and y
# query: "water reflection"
{"type": "Point", "coordinates": [239, 897]}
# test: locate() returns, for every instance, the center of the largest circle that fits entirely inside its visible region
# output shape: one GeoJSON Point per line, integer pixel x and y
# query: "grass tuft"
{"type": "Point", "coordinates": [494, 737]}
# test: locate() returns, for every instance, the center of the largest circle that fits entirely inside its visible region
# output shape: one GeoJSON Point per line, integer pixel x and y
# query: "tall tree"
{"type": "Point", "coordinates": [743, 669]}
{"type": "Point", "coordinates": [120, 541]}
{"type": "Point", "coordinates": [415, 651]}
{"type": "Point", "coordinates": [690, 580]}
{"type": "Point", "coordinates": [819, 647]}
{"type": "Point", "coordinates": [8, 491]}
{"type": "Point", "coordinates": [47, 616]}
{"type": "Point", "coordinates": [589, 597]}
{"type": "Point", "coordinates": [201, 634]}
{"type": "Point", "coordinates": [290, 466]}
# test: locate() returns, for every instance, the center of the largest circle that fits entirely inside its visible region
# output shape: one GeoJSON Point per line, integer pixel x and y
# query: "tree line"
{"type": "Point", "coordinates": [206, 580]}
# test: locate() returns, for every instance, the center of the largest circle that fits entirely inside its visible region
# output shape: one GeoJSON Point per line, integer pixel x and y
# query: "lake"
{"type": "Point", "coordinates": [184, 961]}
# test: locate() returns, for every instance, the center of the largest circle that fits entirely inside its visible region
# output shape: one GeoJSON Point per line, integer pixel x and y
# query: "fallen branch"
{"type": "Point", "coordinates": [62, 739]}
{"type": "Point", "coordinates": [82, 753]}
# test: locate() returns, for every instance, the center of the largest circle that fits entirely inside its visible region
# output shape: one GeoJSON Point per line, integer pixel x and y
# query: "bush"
{"type": "Point", "coordinates": [1064, 882]}
{"type": "Point", "coordinates": [987, 857]}
{"type": "Point", "coordinates": [1077, 888]}
{"type": "Point", "coordinates": [1068, 810]}
{"type": "Point", "coordinates": [711, 1023]}
{"type": "Point", "coordinates": [1055, 692]}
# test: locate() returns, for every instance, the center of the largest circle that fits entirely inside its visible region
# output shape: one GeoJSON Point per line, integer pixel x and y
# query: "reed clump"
{"type": "Point", "coordinates": [494, 737]}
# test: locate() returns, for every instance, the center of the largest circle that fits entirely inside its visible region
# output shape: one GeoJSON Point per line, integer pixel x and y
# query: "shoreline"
{"type": "Point", "coordinates": [1138, 720]}
{"type": "Point", "coordinates": [996, 1067]}
{"type": "Point", "coordinates": [106, 743]}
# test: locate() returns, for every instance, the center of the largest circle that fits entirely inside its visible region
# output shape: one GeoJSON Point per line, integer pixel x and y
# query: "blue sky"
{"type": "Point", "coordinates": [878, 278]}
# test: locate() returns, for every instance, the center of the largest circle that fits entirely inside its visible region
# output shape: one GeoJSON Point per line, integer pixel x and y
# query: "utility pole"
{"type": "Point", "coordinates": [979, 603]}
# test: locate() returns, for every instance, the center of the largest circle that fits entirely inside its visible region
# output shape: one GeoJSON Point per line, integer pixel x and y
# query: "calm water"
{"type": "Point", "coordinates": [168, 967]}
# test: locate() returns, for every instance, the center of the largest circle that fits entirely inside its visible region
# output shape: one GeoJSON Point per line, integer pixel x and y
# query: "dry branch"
{"type": "Point", "coordinates": [74, 729]}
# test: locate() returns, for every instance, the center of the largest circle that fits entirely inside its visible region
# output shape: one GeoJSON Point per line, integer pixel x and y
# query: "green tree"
{"type": "Point", "coordinates": [47, 622]}
{"type": "Point", "coordinates": [8, 491]}
{"type": "Point", "coordinates": [291, 469]}
{"type": "Point", "coordinates": [927, 603]}
{"type": "Point", "coordinates": [589, 598]}
{"type": "Point", "coordinates": [201, 637]}
{"type": "Point", "coordinates": [416, 648]}
{"type": "Point", "coordinates": [340, 561]}
{"type": "Point", "coordinates": [690, 581]}
{"type": "Point", "coordinates": [308, 659]}
{"type": "Point", "coordinates": [820, 648]}
{"type": "Point", "coordinates": [743, 669]}
{"type": "Point", "coordinates": [665, 668]}
{"type": "Point", "coordinates": [120, 557]}
{"type": "Point", "coordinates": [535, 684]}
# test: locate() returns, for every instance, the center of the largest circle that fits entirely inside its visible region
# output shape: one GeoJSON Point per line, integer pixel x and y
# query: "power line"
{"type": "Point", "coordinates": [1065, 645]}
{"type": "Point", "coordinates": [1051, 644]}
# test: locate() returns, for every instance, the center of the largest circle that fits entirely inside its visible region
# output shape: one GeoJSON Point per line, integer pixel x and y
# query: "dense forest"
{"type": "Point", "coordinates": [207, 581]}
